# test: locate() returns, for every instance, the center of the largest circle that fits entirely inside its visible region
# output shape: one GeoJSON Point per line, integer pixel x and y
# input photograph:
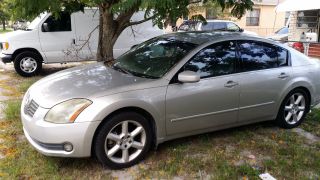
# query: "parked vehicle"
{"type": "Point", "coordinates": [280, 35]}
{"type": "Point", "coordinates": [212, 25]}
{"type": "Point", "coordinates": [20, 25]}
{"type": "Point", "coordinates": [171, 86]}
{"type": "Point", "coordinates": [66, 39]}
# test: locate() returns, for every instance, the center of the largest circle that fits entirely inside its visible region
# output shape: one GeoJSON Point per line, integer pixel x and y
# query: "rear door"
{"type": "Point", "coordinates": [57, 42]}
{"type": "Point", "coordinates": [264, 75]}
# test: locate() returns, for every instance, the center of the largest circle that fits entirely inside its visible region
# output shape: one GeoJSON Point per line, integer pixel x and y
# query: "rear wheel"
{"type": "Point", "coordinates": [28, 64]}
{"type": "Point", "coordinates": [123, 140]}
{"type": "Point", "coordinates": [294, 109]}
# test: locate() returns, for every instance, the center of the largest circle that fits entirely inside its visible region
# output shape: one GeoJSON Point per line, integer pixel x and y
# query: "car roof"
{"type": "Point", "coordinates": [217, 20]}
{"type": "Point", "coordinates": [202, 37]}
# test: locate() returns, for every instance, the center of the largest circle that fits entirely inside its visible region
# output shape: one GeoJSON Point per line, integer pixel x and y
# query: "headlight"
{"type": "Point", "coordinates": [67, 112]}
{"type": "Point", "coordinates": [5, 45]}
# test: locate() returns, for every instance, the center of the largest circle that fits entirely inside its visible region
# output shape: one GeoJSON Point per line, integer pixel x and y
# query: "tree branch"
{"type": "Point", "coordinates": [142, 21]}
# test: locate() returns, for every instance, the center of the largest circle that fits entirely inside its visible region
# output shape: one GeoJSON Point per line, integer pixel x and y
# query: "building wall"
{"type": "Point", "coordinates": [270, 20]}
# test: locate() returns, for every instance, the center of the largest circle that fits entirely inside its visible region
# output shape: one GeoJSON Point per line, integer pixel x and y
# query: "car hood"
{"type": "Point", "coordinates": [89, 81]}
{"type": "Point", "coordinates": [18, 35]}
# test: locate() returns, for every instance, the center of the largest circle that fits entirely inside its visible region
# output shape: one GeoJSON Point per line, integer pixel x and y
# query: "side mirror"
{"type": "Point", "coordinates": [189, 77]}
{"type": "Point", "coordinates": [45, 27]}
{"type": "Point", "coordinates": [241, 30]}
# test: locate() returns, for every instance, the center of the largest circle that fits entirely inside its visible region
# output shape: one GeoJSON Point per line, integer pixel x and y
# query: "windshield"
{"type": "Point", "coordinates": [153, 58]}
{"type": "Point", "coordinates": [34, 24]}
{"type": "Point", "coordinates": [283, 31]}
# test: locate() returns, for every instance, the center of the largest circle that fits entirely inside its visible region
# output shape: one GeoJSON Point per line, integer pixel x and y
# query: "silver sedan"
{"type": "Point", "coordinates": [171, 86]}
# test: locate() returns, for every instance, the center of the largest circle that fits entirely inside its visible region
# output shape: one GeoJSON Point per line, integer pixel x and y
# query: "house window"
{"type": "Point", "coordinates": [253, 17]}
{"type": "Point", "coordinates": [307, 19]}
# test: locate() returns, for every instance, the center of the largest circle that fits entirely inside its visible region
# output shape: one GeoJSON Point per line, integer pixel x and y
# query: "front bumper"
{"type": "Point", "coordinates": [6, 58]}
{"type": "Point", "coordinates": [49, 138]}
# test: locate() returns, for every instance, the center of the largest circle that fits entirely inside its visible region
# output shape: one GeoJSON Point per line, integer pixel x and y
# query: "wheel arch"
{"type": "Point", "coordinates": [18, 51]}
{"type": "Point", "coordinates": [136, 109]}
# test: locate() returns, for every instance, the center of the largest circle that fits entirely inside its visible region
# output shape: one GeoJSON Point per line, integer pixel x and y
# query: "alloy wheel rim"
{"type": "Point", "coordinates": [125, 141]}
{"type": "Point", "coordinates": [295, 108]}
{"type": "Point", "coordinates": [28, 65]}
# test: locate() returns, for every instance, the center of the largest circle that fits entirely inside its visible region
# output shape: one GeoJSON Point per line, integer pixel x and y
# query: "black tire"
{"type": "Point", "coordinates": [110, 125]}
{"type": "Point", "coordinates": [28, 54]}
{"type": "Point", "coordinates": [281, 119]}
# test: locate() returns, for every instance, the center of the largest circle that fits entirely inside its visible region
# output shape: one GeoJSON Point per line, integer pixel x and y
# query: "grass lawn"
{"type": "Point", "coordinates": [5, 31]}
{"type": "Point", "coordinates": [239, 153]}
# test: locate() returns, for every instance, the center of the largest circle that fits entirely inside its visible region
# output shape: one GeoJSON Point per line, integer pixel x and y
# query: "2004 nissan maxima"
{"type": "Point", "coordinates": [171, 86]}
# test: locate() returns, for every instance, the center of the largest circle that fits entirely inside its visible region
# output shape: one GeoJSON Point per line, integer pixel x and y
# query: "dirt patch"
{"type": "Point", "coordinates": [311, 139]}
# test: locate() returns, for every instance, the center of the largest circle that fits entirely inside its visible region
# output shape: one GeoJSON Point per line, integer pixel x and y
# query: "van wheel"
{"type": "Point", "coordinates": [294, 109]}
{"type": "Point", "coordinates": [28, 64]}
{"type": "Point", "coordinates": [123, 140]}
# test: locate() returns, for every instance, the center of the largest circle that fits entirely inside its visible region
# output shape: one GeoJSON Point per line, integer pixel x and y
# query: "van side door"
{"type": "Point", "coordinates": [57, 38]}
{"type": "Point", "coordinates": [87, 34]}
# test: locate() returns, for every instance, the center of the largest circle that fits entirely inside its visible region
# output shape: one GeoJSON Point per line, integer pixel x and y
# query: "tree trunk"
{"type": "Point", "coordinates": [4, 25]}
{"type": "Point", "coordinates": [108, 35]}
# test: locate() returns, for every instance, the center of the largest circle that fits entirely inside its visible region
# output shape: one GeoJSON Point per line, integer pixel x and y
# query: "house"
{"type": "Point", "coordinates": [263, 18]}
{"type": "Point", "coordinates": [304, 18]}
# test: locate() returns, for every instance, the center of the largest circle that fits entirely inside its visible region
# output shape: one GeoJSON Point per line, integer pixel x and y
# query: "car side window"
{"type": "Point", "coordinates": [207, 27]}
{"type": "Point", "coordinates": [59, 24]}
{"type": "Point", "coordinates": [258, 56]}
{"type": "Point", "coordinates": [215, 60]}
{"type": "Point", "coordinates": [220, 26]}
{"type": "Point", "coordinates": [283, 57]}
{"type": "Point", "coordinates": [232, 27]}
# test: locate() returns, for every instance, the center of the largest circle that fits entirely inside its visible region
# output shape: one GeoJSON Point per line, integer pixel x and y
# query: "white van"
{"type": "Point", "coordinates": [66, 39]}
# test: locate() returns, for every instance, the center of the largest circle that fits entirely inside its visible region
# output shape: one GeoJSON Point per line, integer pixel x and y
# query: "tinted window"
{"type": "Point", "coordinates": [61, 23]}
{"type": "Point", "coordinates": [283, 55]}
{"type": "Point", "coordinates": [258, 56]}
{"type": "Point", "coordinates": [215, 60]}
{"type": "Point", "coordinates": [207, 27]}
{"type": "Point", "coordinates": [220, 26]}
{"type": "Point", "coordinates": [211, 26]}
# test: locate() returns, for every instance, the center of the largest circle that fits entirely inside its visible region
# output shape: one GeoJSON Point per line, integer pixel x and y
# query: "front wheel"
{"type": "Point", "coordinates": [123, 140]}
{"type": "Point", "coordinates": [28, 64]}
{"type": "Point", "coordinates": [293, 109]}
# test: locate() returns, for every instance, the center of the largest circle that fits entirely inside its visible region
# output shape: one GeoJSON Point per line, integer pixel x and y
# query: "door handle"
{"type": "Point", "coordinates": [231, 84]}
{"type": "Point", "coordinates": [283, 75]}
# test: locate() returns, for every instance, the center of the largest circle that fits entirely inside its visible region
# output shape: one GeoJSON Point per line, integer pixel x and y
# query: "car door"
{"type": "Point", "coordinates": [265, 73]}
{"type": "Point", "coordinates": [211, 102]}
{"type": "Point", "coordinates": [57, 39]}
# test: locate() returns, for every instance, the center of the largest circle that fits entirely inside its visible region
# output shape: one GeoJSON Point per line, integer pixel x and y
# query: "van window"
{"type": "Point", "coordinates": [59, 24]}
{"type": "Point", "coordinates": [258, 56]}
{"type": "Point", "coordinates": [216, 60]}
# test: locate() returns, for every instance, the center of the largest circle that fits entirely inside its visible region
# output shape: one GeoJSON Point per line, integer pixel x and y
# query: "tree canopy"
{"type": "Point", "coordinates": [115, 15]}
